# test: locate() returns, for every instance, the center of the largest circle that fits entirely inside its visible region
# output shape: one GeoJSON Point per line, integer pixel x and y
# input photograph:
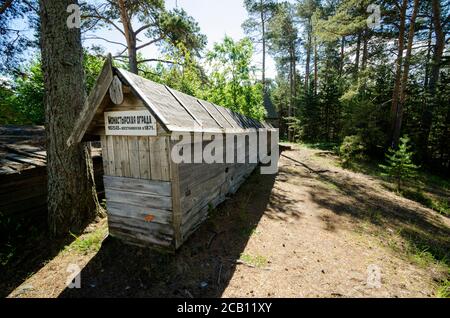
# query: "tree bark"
{"type": "Point", "coordinates": [365, 49]}
{"type": "Point", "coordinates": [404, 81]}
{"type": "Point", "coordinates": [398, 73]}
{"type": "Point", "coordinates": [129, 36]}
{"type": "Point", "coordinates": [72, 199]}
{"type": "Point", "coordinates": [427, 63]}
{"type": "Point", "coordinates": [316, 70]}
{"type": "Point", "coordinates": [291, 93]}
{"type": "Point", "coordinates": [263, 26]}
{"type": "Point", "coordinates": [358, 49]}
{"type": "Point", "coordinates": [341, 65]}
{"type": "Point", "coordinates": [427, 116]}
{"type": "Point", "coordinates": [5, 6]}
{"type": "Point", "coordinates": [439, 46]}
{"type": "Point", "coordinates": [308, 57]}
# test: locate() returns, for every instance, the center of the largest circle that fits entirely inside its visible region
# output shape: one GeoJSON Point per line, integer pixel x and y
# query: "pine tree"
{"type": "Point", "coordinates": [399, 163]}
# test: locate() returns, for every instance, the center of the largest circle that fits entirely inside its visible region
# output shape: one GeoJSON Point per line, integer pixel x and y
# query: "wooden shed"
{"type": "Point", "coordinates": [152, 200]}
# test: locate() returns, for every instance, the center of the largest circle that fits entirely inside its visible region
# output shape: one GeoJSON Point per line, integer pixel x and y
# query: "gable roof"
{"type": "Point", "coordinates": [175, 110]}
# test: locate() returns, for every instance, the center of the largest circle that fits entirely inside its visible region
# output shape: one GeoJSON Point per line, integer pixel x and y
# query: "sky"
{"type": "Point", "coordinates": [216, 19]}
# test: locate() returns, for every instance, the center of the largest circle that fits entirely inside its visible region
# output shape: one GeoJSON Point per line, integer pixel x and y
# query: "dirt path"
{"type": "Point", "coordinates": [314, 230]}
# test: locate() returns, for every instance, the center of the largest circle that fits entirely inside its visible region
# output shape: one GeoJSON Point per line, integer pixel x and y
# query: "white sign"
{"type": "Point", "coordinates": [130, 123]}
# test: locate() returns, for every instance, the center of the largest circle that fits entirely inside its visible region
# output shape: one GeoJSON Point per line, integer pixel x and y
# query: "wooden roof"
{"type": "Point", "coordinates": [175, 110]}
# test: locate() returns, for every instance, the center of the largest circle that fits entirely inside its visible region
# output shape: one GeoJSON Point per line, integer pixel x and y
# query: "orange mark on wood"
{"type": "Point", "coordinates": [149, 218]}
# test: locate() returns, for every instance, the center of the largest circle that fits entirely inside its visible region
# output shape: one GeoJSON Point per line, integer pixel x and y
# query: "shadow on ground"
{"type": "Point", "coordinates": [25, 249]}
{"type": "Point", "coordinates": [362, 202]}
{"type": "Point", "coordinates": [202, 267]}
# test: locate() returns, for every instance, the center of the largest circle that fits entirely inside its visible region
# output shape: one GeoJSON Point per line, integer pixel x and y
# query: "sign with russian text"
{"type": "Point", "coordinates": [130, 123]}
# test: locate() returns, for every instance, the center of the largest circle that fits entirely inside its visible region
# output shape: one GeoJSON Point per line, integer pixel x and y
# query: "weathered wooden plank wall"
{"type": "Point", "coordinates": [136, 157]}
{"type": "Point", "coordinates": [25, 193]}
{"type": "Point", "coordinates": [23, 172]}
{"type": "Point", "coordinates": [139, 210]}
{"type": "Point", "coordinates": [204, 186]}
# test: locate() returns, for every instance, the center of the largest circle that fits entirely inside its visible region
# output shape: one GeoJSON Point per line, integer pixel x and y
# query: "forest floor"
{"type": "Point", "coordinates": [313, 230]}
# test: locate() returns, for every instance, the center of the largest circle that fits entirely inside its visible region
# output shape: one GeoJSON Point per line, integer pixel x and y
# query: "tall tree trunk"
{"type": "Point", "coordinates": [341, 65]}
{"type": "Point", "coordinates": [365, 49]}
{"type": "Point", "coordinates": [398, 72]}
{"type": "Point", "coordinates": [427, 117]}
{"type": "Point", "coordinates": [294, 80]}
{"type": "Point", "coordinates": [308, 57]}
{"type": "Point", "coordinates": [316, 71]}
{"type": "Point", "coordinates": [439, 46]}
{"type": "Point", "coordinates": [291, 92]}
{"type": "Point", "coordinates": [130, 37]}
{"type": "Point", "coordinates": [263, 26]}
{"type": "Point", "coordinates": [404, 81]}
{"type": "Point", "coordinates": [358, 49]}
{"type": "Point", "coordinates": [427, 63]}
{"type": "Point", "coordinates": [72, 199]}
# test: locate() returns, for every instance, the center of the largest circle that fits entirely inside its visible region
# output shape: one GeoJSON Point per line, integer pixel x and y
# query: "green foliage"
{"type": "Point", "coordinates": [257, 261]}
{"type": "Point", "coordinates": [229, 81]}
{"type": "Point", "coordinates": [151, 20]}
{"type": "Point", "coordinates": [23, 102]}
{"type": "Point", "coordinates": [232, 82]}
{"type": "Point", "coordinates": [444, 289]}
{"type": "Point", "coordinates": [92, 66]}
{"type": "Point", "coordinates": [259, 11]}
{"type": "Point", "coordinates": [399, 163]}
{"type": "Point", "coordinates": [90, 242]}
{"type": "Point", "coordinates": [352, 149]}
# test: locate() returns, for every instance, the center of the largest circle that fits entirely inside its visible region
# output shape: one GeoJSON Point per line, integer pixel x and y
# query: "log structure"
{"type": "Point", "coordinates": [152, 200]}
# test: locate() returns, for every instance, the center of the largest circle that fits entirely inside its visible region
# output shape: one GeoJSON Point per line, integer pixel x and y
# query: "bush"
{"type": "Point", "coordinates": [399, 165]}
{"type": "Point", "coordinates": [352, 148]}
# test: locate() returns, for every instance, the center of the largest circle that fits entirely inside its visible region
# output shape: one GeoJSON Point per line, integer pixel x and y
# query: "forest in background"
{"type": "Point", "coordinates": [343, 76]}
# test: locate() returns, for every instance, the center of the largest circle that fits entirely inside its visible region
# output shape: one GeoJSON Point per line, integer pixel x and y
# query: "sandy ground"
{"type": "Point", "coordinates": [313, 230]}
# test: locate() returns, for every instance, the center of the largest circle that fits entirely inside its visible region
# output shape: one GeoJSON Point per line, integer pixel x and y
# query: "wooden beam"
{"type": "Point", "coordinates": [92, 103]}
{"type": "Point", "coordinates": [184, 106]}
{"type": "Point", "coordinates": [210, 114]}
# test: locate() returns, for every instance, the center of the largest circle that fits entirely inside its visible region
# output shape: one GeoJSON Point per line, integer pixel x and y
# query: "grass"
{"type": "Point", "coordinates": [329, 146]}
{"type": "Point", "coordinates": [443, 290]}
{"type": "Point", "coordinates": [90, 242]}
{"type": "Point", "coordinates": [421, 189]}
{"type": "Point", "coordinates": [440, 205]}
{"type": "Point", "coordinates": [257, 261]}
{"type": "Point", "coordinates": [328, 184]}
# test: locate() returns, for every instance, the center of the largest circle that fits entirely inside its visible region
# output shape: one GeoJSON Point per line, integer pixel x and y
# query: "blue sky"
{"type": "Point", "coordinates": [216, 19]}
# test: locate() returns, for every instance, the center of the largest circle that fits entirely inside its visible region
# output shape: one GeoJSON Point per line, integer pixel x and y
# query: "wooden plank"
{"type": "Point", "coordinates": [111, 162]}
{"type": "Point", "coordinates": [161, 188]}
{"type": "Point", "coordinates": [139, 199]}
{"type": "Point", "coordinates": [139, 212]}
{"type": "Point", "coordinates": [92, 102]}
{"type": "Point", "coordinates": [135, 238]}
{"type": "Point", "coordinates": [135, 84]}
{"type": "Point", "coordinates": [151, 228]}
{"type": "Point", "coordinates": [133, 155]}
{"type": "Point", "coordinates": [155, 158]}
{"type": "Point", "coordinates": [209, 113]}
{"type": "Point", "coordinates": [117, 156]}
{"type": "Point", "coordinates": [105, 159]}
{"type": "Point", "coordinates": [164, 155]}
{"type": "Point", "coordinates": [124, 159]}
{"type": "Point", "coordinates": [176, 200]}
{"type": "Point", "coordinates": [144, 158]}
{"type": "Point", "coordinates": [183, 105]}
